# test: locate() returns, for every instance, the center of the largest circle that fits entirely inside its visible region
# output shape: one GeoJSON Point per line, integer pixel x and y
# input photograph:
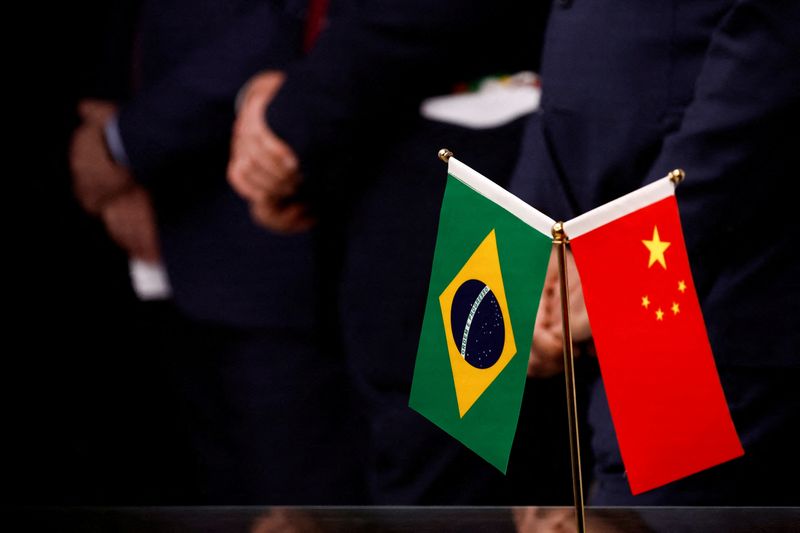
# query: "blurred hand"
{"type": "Point", "coordinates": [544, 520]}
{"type": "Point", "coordinates": [96, 178]}
{"type": "Point", "coordinates": [563, 520]}
{"type": "Point", "coordinates": [282, 216]}
{"type": "Point", "coordinates": [131, 222]}
{"type": "Point", "coordinates": [285, 520]}
{"type": "Point", "coordinates": [261, 163]}
{"type": "Point", "coordinates": [547, 351]}
{"type": "Point", "coordinates": [263, 169]}
{"type": "Point", "coordinates": [546, 357]}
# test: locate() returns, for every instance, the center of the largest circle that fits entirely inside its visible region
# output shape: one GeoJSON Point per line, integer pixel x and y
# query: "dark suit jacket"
{"type": "Point", "coordinates": [351, 111]}
{"type": "Point", "coordinates": [634, 89]}
{"type": "Point", "coordinates": [375, 62]}
{"type": "Point", "coordinates": [191, 59]}
{"type": "Point", "coordinates": [371, 66]}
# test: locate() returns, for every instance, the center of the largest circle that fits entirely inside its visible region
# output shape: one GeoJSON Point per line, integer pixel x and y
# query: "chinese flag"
{"type": "Point", "coordinates": [664, 393]}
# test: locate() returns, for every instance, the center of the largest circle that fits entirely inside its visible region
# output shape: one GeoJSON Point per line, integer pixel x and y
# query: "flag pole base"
{"type": "Point", "coordinates": [560, 240]}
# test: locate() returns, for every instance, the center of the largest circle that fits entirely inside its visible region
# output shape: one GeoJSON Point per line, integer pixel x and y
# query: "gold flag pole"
{"type": "Point", "coordinates": [560, 240]}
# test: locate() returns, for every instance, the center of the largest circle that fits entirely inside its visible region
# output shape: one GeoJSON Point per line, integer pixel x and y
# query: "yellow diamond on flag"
{"type": "Point", "coordinates": [480, 340]}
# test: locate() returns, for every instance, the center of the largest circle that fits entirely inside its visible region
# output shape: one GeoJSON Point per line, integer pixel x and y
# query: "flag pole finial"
{"type": "Point", "coordinates": [677, 175]}
{"type": "Point", "coordinates": [558, 233]}
{"type": "Point", "coordinates": [445, 154]}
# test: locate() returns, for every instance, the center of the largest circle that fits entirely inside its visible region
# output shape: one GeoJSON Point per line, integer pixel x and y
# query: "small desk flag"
{"type": "Point", "coordinates": [489, 266]}
{"type": "Point", "coordinates": [664, 393]}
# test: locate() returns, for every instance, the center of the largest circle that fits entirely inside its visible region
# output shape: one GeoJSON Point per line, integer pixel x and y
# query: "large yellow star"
{"type": "Point", "coordinates": [657, 248]}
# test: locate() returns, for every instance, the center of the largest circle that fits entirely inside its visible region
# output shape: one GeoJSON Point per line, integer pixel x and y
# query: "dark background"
{"type": "Point", "coordinates": [87, 416]}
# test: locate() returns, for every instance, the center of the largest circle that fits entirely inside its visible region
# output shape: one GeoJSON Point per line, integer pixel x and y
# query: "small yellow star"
{"type": "Point", "coordinates": [659, 314]}
{"type": "Point", "coordinates": [675, 308]}
{"type": "Point", "coordinates": [657, 248]}
{"type": "Point", "coordinates": [645, 302]}
{"type": "Point", "coordinates": [682, 286]}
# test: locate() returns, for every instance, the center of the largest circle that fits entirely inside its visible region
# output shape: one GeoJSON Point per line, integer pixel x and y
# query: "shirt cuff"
{"type": "Point", "coordinates": [114, 142]}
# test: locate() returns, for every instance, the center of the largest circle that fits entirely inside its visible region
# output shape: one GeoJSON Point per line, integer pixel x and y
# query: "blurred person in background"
{"type": "Point", "coordinates": [630, 92]}
{"type": "Point", "coordinates": [259, 369]}
{"type": "Point", "coordinates": [337, 139]}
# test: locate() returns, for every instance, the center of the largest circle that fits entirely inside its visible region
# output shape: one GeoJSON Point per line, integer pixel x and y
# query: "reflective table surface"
{"type": "Point", "coordinates": [397, 519]}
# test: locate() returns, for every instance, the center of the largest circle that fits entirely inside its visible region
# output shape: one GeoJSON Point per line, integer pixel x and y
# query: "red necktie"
{"type": "Point", "coordinates": [315, 19]}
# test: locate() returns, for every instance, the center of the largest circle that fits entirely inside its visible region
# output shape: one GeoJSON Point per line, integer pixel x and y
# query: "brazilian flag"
{"type": "Point", "coordinates": [489, 267]}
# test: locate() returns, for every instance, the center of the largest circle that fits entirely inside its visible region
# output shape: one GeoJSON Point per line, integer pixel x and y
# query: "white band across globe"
{"type": "Point", "coordinates": [472, 311]}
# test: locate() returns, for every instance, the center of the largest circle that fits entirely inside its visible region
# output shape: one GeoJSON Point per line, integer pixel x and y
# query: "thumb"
{"type": "Point", "coordinates": [265, 85]}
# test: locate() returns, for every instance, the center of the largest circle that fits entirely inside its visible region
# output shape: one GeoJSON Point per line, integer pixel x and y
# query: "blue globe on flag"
{"type": "Point", "coordinates": [477, 324]}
